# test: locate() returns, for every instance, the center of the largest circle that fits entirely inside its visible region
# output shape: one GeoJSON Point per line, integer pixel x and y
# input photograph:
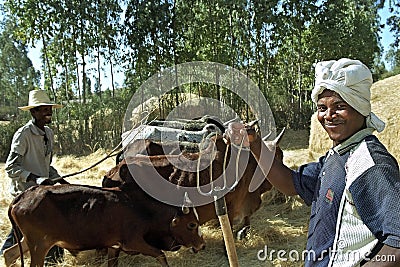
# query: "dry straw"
{"type": "Point", "coordinates": [281, 222]}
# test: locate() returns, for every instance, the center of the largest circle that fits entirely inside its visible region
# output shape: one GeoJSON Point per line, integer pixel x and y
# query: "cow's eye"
{"type": "Point", "coordinates": [192, 225]}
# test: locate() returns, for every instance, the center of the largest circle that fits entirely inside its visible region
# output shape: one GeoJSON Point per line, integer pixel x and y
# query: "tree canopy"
{"type": "Point", "coordinates": [275, 43]}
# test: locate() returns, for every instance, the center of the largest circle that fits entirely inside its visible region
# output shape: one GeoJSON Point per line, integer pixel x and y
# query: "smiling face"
{"type": "Point", "coordinates": [42, 115]}
{"type": "Point", "coordinates": [338, 118]}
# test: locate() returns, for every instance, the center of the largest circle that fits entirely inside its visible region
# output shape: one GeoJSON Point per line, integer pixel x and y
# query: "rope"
{"type": "Point", "coordinates": [212, 188]}
{"type": "Point", "coordinates": [109, 154]}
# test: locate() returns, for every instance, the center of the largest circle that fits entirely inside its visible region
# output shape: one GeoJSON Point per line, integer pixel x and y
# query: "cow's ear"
{"type": "Point", "coordinates": [175, 222]}
{"type": "Point", "coordinates": [124, 172]}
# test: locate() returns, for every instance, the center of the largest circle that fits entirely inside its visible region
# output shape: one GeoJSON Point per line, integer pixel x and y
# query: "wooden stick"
{"type": "Point", "coordinates": [220, 208]}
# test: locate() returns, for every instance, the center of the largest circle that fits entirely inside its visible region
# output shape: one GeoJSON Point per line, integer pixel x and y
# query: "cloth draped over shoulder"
{"type": "Point", "coordinates": [352, 80]}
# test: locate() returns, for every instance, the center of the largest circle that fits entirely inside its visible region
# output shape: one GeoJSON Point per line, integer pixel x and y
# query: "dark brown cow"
{"type": "Point", "coordinates": [80, 218]}
{"type": "Point", "coordinates": [241, 203]}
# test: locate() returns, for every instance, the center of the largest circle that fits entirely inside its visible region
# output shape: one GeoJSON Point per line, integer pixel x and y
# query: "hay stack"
{"type": "Point", "coordinates": [319, 141]}
{"type": "Point", "coordinates": [384, 99]}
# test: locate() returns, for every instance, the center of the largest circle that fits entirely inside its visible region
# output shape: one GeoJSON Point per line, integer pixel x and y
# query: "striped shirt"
{"type": "Point", "coordinates": [353, 192]}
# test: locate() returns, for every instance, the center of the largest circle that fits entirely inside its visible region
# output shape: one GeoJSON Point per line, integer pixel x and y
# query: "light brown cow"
{"type": "Point", "coordinates": [80, 218]}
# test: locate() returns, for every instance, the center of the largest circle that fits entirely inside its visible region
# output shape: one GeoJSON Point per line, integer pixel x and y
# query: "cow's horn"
{"type": "Point", "coordinates": [186, 203]}
{"type": "Point", "coordinates": [279, 137]}
{"type": "Point", "coordinates": [232, 120]}
{"type": "Point", "coordinates": [252, 123]}
{"type": "Point", "coordinates": [267, 136]}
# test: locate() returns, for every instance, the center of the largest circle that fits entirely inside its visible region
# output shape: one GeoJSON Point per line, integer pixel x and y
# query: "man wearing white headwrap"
{"type": "Point", "coordinates": [354, 189]}
{"type": "Point", "coordinates": [352, 80]}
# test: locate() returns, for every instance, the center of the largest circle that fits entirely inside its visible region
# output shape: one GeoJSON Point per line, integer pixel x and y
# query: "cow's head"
{"type": "Point", "coordinates": [114, 177]}
{"type": "Point", "coordinates": [186, 231]}
{"type": "Point", "coordinates": [248, 136]}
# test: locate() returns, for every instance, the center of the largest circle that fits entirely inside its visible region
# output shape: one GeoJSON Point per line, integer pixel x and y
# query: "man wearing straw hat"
{"type": "Point", "coordinates": [29, 161]}
{"type": "Point", "coordinates": [353, 190]}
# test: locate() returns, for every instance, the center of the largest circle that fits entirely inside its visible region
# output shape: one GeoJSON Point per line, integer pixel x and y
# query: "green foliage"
{"type": "Point", "coordinates": [17, 75]}
{"type": "Point", "coordinates": [7, 130]}
{"type": "Point", "coordinates": [394, 21]}
{"type": "Point", "coordinates": [275, 43]}
{"type": "Point", "coordinates": [393, 56]}
{"type": "Point", "coordinates": [347, 29]}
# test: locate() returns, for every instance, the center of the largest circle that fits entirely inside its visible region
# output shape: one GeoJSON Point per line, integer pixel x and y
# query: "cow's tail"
{"type": "Point", "coordinates": [17, 233]}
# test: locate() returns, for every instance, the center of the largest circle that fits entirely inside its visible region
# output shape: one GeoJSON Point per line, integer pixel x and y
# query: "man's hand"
{"type": "Point", "coordinates": [32, 177]}
{"type": "Point", "coordinates": [44, 181]}
{"type": "Point", "coordinates": [237, 134]}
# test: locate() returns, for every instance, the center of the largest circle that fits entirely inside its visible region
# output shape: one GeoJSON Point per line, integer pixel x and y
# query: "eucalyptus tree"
{"type": "Point", "coordinates": [17, 78]}
{"type": "Point", "coordinates": [69, 30]}
{"type": "Point", "coordinates": [73, 35]}
{"type": "Point", "coordinates": [394, 21]}
{"type": "Point", "coordinates": [31, 21]}
{"type": "Point", "coordinates": [289, 89]}
{"type": "Point", "coordinates": [146, 39]}
{"type": "Point", "coordinates": [347, 28]}
{"type": "Point", "coordinates": [108, 38]}
{"type": "Point", "coordinates": [146, 36]}
{"type": "Point", "coordinates": [17, 74]}
{"type": "Point", "coordinates": [208, 37]}
{"type": "Point", "coordinates": [394, 26]}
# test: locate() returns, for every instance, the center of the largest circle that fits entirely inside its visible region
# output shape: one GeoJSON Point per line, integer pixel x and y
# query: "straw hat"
{"type": "Point", "coordinates": [39, 98]}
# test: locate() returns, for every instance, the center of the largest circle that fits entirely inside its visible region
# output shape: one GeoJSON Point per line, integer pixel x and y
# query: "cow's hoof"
{"type": "Point", "coordinates": [195, 250]}
{"type": "Point", "coordinates": [242, 233]}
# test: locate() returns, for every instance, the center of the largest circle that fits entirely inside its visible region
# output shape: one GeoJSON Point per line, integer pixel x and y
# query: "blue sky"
{"type": "Point", "coordinates": [387, 37]}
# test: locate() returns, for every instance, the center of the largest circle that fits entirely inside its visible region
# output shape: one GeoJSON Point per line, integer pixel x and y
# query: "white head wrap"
{"type": "Point", "coordinates": [352, 80]}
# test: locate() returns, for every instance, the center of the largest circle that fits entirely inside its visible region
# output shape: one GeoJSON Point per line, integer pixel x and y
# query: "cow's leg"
{"type": "Point", "coordinates": [244, 230]}
{"type": "Point", "coordinates": [112, 256]}
{"type": "Point", "coordinates": [11, 254]}
{"type": "Point", "coordinates": [38, 251]}
{"type": "Point", "coordinates": [146, 249]}
{"type": "Point", "coordinates": [163, 260]}
{"type": "Point", "coordinates": [37, 257]}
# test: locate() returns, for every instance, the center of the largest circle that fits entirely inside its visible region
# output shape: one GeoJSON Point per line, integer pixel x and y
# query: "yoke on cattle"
{"type": "Point", "coordinates": [152, 140]}
{"type": "Point", "coordinates": [191, 131]}
{"type": "Point", "coordinates": [169, 136]}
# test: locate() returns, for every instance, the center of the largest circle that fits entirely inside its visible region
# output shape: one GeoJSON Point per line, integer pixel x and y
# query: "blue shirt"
{"type": "Point", "coordinates": [359, 174]}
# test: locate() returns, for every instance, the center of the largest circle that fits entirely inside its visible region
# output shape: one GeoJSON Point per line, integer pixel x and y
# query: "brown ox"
{"type": "Point", "coordinates": [80, 218]}
{"type": "Point", "coordinates": [241, 203]}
